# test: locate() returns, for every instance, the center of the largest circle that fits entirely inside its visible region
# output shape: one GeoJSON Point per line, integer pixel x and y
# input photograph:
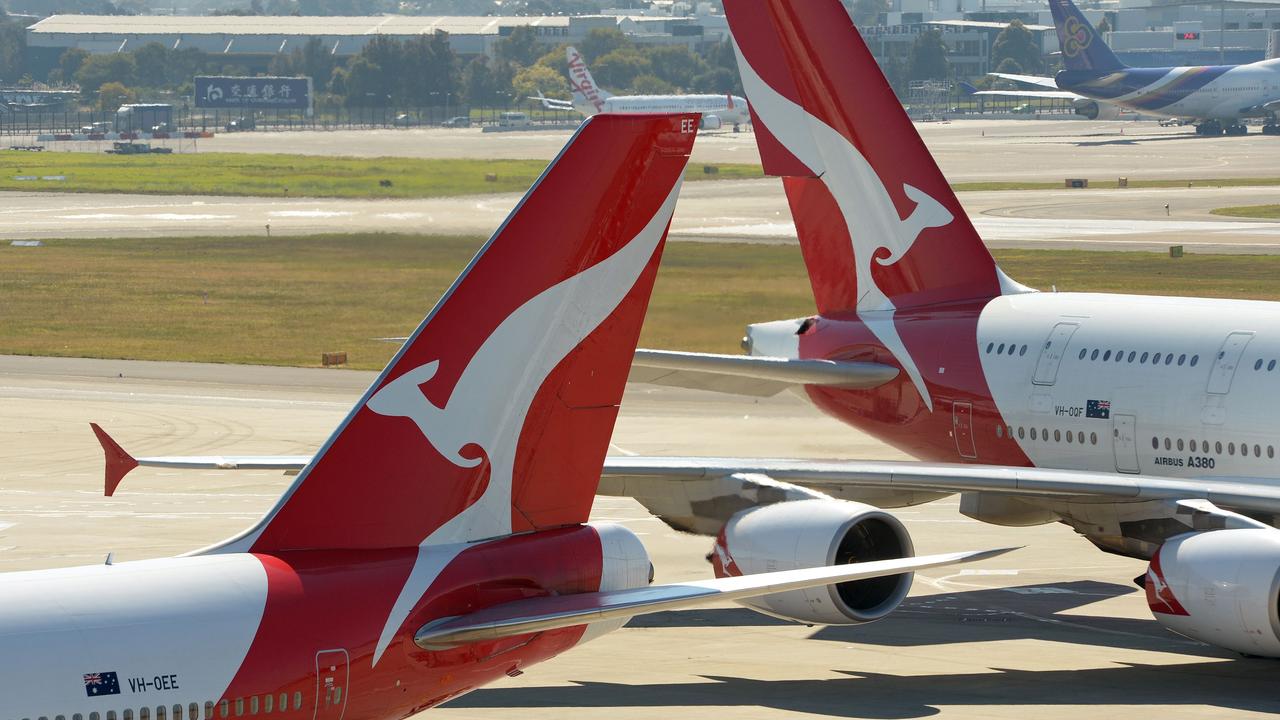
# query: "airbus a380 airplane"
{"type": "Point", "coordinates": [439, 540]}
{"type": "Point", "coordinates": [590, 99]}
{"type": "Point", "coordinates": [1141, 422]}
{"type": "Point", "coordinates": [1217, 97]}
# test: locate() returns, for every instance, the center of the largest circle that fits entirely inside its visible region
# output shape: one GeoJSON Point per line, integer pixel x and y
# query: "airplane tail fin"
{"type": "Point", "coordinates": [1081, 45]}
{"type": "Point", "coordinates": [878, 224]}
{"type": "Point", "coordinates": [967, 88]}
{"type": "Point", "coordinates": [586, 94]}
{"type": "Point", "coordinates": [495, 416]}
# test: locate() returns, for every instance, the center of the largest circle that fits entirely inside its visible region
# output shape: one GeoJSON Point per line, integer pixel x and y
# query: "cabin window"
{"type": "Point", "coordinates": [1080, 437]}
{"type": "Point", "coordinates": [1022, 433]}
{"type": "Point", "coordinates": [1069, 436]}
{"type": "Point", "coordinates": [1193, 445]}
{"type": "Point", "coordinates": [1271, 452]}
{"type": "Point", "coordinates": [297, 700]}
{"type": "Point", "coordinates": [144, 713]}
{"type": "Point", "coordinates": [1143, 359]}
{"type": "Point", "coordinates": [1083, 352]}
{"type": "Point", "coordinates": [268, 703]}
{"type": "Point", "coordinates": [1194, 359]}
{"type": "Point", "coordinates": [1132, 355]}
{"type": "Point", "coordinates": [1155, 359]}
{"type": "Point", "coordinates": [1257, 451]}
{"type": "Point", "coordinates": [1258, 365]}
{"type": "Point", "coordinates": [253, 705]}
{"type": "Point", "coordinates": [1033, 433]}
{"type": "Point", "coordinates": [193, 711]}
{"type": "Point", "coordinates": [1179, 444]}
{"type": "Point", "coordinates": [1155, 444]}
{"type": "Point", "coordinates": [160, 713]}
{"type": "Point", "coordinates": [1271, 366]}
{"type": "Point", "coordinates": [1231, 448]}
{"type": "Point", "coordinates": [1094, 355]}
{"type": "Point", "coordinates": [1057, 436]}
{"type": "Point", "coordinates": [239, 707]}
{"type": "Point", "coordinates": [1168, 445]}
{"type": "Point", "coordinates": [1181, 359]}
{"type": "Point", "coordinates": [1119, 356]}
{"type": "Point", "coordinates": [1217, 447]}
{"type": "Point", "coordinates": [999, 431]}
{"type": "Point", "coordinates": [989, 346]}
{"type": "Point", "coordinates": [1001, 350]}
{"type": "Point", "coordinates": [77, 716]}
{"type": "Point", "coordinates": [128, 714]}
{"type": "Point", "coordinates": [1106, 356]}
{"type": "Point", "coordinates": [208, 710]}
{"type": "Point", "coordinates": [284, 702]}
{"type": "Point", "coordinates": [1022, 351]}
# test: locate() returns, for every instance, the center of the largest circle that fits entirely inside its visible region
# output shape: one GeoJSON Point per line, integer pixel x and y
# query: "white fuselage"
{"type": "Point", "coordinates": [1188, 387]}
{"type": "Point", "coordinates": [731, 109]}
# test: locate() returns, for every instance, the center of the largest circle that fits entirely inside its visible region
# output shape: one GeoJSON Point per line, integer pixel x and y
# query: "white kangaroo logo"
{"type": "Point", "coordinates": [864, 202]}
{"type": "Point", "coordinates": [488, 405]}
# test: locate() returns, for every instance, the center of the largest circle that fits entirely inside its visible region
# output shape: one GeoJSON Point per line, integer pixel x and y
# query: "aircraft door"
{"type": "Point", "coordinates": [1124, 438]}
{"type": "Point", "coordinates": [332, 674]}
{"type": "Point", "coordinates": [1051, 353]}
{"type": "Point", "coordinates": [1224, 365]}
{"type": "Point", "coordinates": [962, 429]}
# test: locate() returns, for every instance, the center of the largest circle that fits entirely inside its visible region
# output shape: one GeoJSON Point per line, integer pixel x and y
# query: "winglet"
{"type": "Point", "coordinates": [119, 462]}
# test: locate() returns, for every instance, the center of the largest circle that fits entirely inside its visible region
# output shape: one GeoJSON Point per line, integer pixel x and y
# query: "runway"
{"type": "Point", "coordinates": [1054, 630]}
{"type": "Point", "coordinates": [708, 211]}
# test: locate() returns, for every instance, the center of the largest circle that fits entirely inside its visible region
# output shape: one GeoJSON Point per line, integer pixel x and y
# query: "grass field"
{"type": "Point", "coordinates": [1269, 212]}
{"type": "Point", "coordinates": [284, 301]}
{"type": "Point", "coordinates": [267, 175]}
{"type": "Point", "coordinates": [270, 175]}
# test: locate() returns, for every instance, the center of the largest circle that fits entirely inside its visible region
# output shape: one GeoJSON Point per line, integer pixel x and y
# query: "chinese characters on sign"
{"type": "Point", "coordinates": [256, 93]}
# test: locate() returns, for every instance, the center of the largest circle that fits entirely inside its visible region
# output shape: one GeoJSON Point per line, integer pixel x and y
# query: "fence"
{"type": "Point", "coordinates": [36, 121]}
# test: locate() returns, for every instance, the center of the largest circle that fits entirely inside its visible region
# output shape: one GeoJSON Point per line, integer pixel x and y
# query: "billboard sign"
{"type": "Point", "coordinates": [254, 93]}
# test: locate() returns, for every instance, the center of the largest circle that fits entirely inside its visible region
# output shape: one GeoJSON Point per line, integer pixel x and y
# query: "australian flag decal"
{"type": "Point", "coordinates": [106, 683]}
{"type": "Point", "coordinates": [1100, 409]}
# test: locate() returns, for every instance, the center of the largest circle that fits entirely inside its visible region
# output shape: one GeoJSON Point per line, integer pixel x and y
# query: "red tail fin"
{"type": "Point", "coordinates": [495, 416]}
{"type": "Point", "coordinates": [879, 226]}
{"type": "Point", "coordinates": [119, 462]}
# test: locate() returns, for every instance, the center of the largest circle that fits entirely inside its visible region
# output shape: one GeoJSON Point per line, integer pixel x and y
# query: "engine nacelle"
{"type": "Point", "coordinates": [1094, 110]}
{"type": "Point", "coordinates": [817, 533]}
{"type": "Point", "coordinates": [624, 565]}
{"type": "Point", "coordinates": [1220, 587]}
{"type": "Point", "coordinates": [710, 122]}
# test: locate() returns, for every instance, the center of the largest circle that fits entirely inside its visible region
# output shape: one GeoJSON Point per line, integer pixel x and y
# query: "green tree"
{"type": "Point", "coordinates": [652, 85]}
{"type": "Point", "coordinates": [98, 70]}
{"type": "Point", "coordinates": [113, 94]}
{"type": "Point", "coordinates": [619, 68]}
{"type": "Point", "coordinates": [717, 80]}
{"type": "Point", "coordinates": [521, 47]}
{"type": "Point", "coordinates": [675, 65]}
{"type": "Point", "coordinates": [602, 41]}
{"type": "Point", "coordinates": [13, 50]}
{"type": "Point", "coordinates": [1009, 66]}
{"type": "Point", "coordinates": [70, 61]}
{"type": "Point", "coordinates": [152, 63]}
{"type": "Point", "coordinates": [720, 57]}
{"type": "Point", "coordinates": [929, 57]}
{"type": "Point", "coordinates": [478, 83]}
{"type": "Point", "coordinates": [1018, 43]}
{"type": "Point", "coordinates": [867, 12]}
{"type": "Point", "coordinates": [535, 79]}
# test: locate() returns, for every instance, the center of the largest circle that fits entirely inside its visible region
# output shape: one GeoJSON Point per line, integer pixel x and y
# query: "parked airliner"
{"type": "Point", "coordinates": [439, 540]}
{"type": "Point", "coordinates": [1217, 97]}
{"type": "Point", "coordinates": [590, 99]}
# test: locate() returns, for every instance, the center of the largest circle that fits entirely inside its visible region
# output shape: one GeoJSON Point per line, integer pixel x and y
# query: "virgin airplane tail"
{"type": "Point", "coordinates": [495, 416]}
{"type": "Point", "coordinates": [878, 224]}
{"type": "Point", "coordinates": [587, 96]}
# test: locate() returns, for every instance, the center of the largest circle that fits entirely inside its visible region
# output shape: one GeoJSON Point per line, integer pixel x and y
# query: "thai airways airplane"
{"type": "Point", "coordinates": [589, 99]}
{"type": "Point", "coordinates": [1147, 424]}
{"type": "Point", "coordinates": [1216, 97]}
{"type": "Point", "coordinates": [439, 539]}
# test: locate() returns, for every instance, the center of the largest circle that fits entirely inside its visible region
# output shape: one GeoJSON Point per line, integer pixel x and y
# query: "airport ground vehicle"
{"type": "Point", "coordinates": [242, 123]}
{"type": "Point", "coordinates": [513, 119]}
{"type": "Point", "coordinates": [461, 121]}
{"type": "Point", "coordinates": [440, 539]}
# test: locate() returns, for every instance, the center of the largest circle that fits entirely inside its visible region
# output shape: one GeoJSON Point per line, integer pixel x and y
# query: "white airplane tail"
{"type": "Point", "coordinates": [587, 96]}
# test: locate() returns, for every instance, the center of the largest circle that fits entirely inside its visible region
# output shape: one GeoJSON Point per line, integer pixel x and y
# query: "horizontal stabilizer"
{"type": "Point", "coordinates": [1039, 80]}
{"type": "Point", "coordinates": [1040, 94]}
{"type": "Point", "coordinates": [751, 374]}
{"type": "Point", "coordinates": [535, 615]}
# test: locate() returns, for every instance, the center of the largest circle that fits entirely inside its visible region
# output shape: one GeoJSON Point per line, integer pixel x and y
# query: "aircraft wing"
{"type": "Point", "coordinates": [752, 374]}
{"type": "Point", "coordinates": [1039, 80]}
{"type": "Point", "coordinates": [533, 615]}
{"type": "Point", "coordinates": [1051, 94]}
{"type": "Point", "coordinates": [551, 103]}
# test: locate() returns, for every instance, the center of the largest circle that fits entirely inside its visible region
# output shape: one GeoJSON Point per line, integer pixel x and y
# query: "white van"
{"type": "Point", "coordinates": [514, 119]}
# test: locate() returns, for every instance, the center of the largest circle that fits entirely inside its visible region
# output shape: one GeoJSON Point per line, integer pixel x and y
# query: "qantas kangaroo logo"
{"type": "Point", "coordinates": [879, 234]}
{"type": "Point", "coordinates": [527, 345]}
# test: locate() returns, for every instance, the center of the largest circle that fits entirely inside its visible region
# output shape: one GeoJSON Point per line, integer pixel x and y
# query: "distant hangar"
{"type": "Point", "coordinates": [258, 39]}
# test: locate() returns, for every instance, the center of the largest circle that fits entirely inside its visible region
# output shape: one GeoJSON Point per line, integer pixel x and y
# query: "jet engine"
{"type": "Point", "coordinates": [710, 122]}
{"type": "Point", "coordinates": [1094, 110]}
{"type": "Point", "coordinates": [817, 533]}
{"type": "Point", "coordinates": [1220, 587]}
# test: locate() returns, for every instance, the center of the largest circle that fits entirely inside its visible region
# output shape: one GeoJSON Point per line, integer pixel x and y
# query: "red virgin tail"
{"type": "Point", "coordinates": [879, 226]}
{"type": "Point", "coordinates": [495, 416]}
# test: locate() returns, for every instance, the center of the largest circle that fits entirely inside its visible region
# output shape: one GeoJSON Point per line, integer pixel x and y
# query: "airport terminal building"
{"type": "Point", "coordinates": [256, 40]}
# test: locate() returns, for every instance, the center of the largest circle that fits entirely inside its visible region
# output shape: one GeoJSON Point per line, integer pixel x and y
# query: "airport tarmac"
{"type": "Point", "coordinates": [1056, 630]}
{"type": "Point", "coordinates": [971, 149]}
{"type": "Point", "coordinates": [708, 211]}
